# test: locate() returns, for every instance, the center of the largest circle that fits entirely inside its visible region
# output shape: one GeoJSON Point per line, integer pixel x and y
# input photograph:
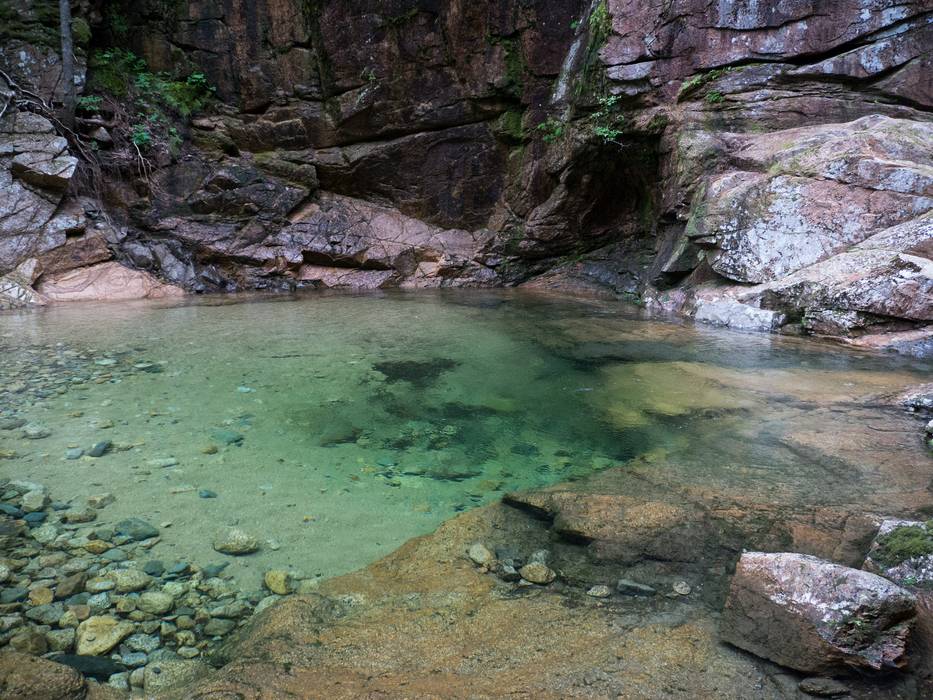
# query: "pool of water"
{"type": "Point", "coordinates": [335, 427]}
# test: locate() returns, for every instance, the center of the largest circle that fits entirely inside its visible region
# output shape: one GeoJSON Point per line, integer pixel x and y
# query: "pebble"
{"type": "Point", "coordinates": [34, 500]}
{"type": "Point", "coordinates": [278, 581]}
{"type": "Point", "coordinates": [538, 573]}
{"type": "Point", "coordinates": [100, 500]}
{"type": "Point", "coordinates": [219, 627]}
{"type": "Point", "coordinates": [100, 584]}
{"type": "Point", "coordinates": [120, 681]}
{"type": "Point", "coordinates": [823, 687]}
{"type": "Point", "coordinates": [235, 541]}
{"type": "Point", "coordinates": [163, 462]}
{"type": "Point", "coordinates": [154, 567]}
{"type": "Point", "coordinates": [42, 596]}
{"type": "Point", "coordinates": [136, 529]}
{"type": "Point", "coordinates": [155, 602]}
{"type": "Point", "coordinates": [599, 592]}
{"type": "Point", "coordinates": [99, 449]}
{"type": "Point", "coordinates": [97, 546]}
{"type": "Point", "coordinates": [34, 431]}
{"type": "Point", "coordinates": [226, 437]}
{"type": "Point", "coordinates": [628, 587]}
{"type": "Point", "coordinates": [74, 453]}
{"type": "Point", "coordinates": [206, 493]}
{"type": "Point", "coordinates": [682, 588]}
{"type": "Point", "coordinates": [130, 580]}
{"type": "Point", "coordinates": [480, 554]}
{"type": "Point", "coordinates": [134, 659]}
{"type": "Point", "coordinates": [145, 643]}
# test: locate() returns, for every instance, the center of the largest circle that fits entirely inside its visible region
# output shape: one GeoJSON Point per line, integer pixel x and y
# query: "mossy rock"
{"type": "Point", "coordinates": [904, 543]}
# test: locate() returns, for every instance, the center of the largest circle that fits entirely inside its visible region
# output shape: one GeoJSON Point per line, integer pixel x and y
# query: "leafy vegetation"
{"type": "Point", "coordinates": [148, 102]}
{"type": "Point", "coordinates": [607, 122]}
{"type": "Point", "coordinates": [552, 129]}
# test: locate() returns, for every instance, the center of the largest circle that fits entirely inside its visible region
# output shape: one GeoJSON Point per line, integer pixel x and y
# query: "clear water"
{"type": "Point", "coordinates": [368, 419]}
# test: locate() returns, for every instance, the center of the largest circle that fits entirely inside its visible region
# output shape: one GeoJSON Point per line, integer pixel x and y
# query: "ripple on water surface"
{"type": "Point", "coordinates": [335, 427]}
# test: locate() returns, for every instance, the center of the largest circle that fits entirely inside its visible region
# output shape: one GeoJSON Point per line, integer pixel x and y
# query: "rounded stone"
{"type": "Point", "coordinates": [599, 592]}
{"type": "Point", "coordinates": [538, 573]}
{"type": "Point", "coordinates": [480, 555]}
{"type": "Point", "coordinates": [278, 581]}
{"type": "Point", "coordinates": [99, 634]}
{"type": "Point", "coordinates": [233, 540]}
{"type": "Point", "coordinates": [130, 580]}
{"type": "Point", "coordinates": [155, 602]}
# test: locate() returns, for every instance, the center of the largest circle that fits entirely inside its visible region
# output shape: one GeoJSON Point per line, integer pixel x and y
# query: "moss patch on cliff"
{"type": "Point", "coordinates": [904, 543]}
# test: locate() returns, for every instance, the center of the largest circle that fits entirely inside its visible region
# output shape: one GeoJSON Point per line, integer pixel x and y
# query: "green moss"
{"type": "Point", "coordinates": [658, 123]}
{"type": "Point", "coordinates": [81, 31]}
{"type": "Point", "coordinates": [698, 81]}
{"type": "Point", "coordinates": [903, 543]}
{"type": "Point", "coordinates": [38, 25]}
{"type": "Point", "coordinates": [510, 125]}
{"type": "Point", "coordinates": [714, 97]}
{"type": "Point", "coordinates": [600, 25]}
{"type": "Point", "coordinates": [403, 18]}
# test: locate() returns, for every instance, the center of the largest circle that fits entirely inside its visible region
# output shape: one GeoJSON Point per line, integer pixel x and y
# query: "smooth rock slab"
{"type": "Point", "coordinates": [99, 634]}
{"type": "Point", "coordinates": [817, 617]}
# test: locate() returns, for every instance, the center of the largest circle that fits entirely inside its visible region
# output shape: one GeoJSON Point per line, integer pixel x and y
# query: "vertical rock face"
{"type": "Point", "coordinates": [816, 617]}
{"type": "Point", "coordinates": [600, 144]}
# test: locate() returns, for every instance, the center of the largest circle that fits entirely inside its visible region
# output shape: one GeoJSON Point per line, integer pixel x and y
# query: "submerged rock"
{"type": "Point", "coordinates": [480, 555]}
{"type": "Point", "coordinates": [628, 587]}
{"type": "Point", "coordinates": [99, 634]}
{"type": "Point", "coordinates": [26, 677]}
{"type": "Point", "coordinates": [136, 529]}
{"type": "Point", "coordinates": [814, 616]}
{"type": "Point", "coordinates": [538, 573]}
{"type": "Point", "coordinates": [235, 541]}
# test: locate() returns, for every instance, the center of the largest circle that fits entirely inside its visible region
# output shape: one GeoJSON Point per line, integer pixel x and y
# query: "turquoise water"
{"type": "Point", "coordinates": [335, 427]}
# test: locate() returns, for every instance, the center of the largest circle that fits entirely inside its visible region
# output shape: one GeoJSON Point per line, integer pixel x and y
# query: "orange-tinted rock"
{"type": "Point", "coordinates": [29, 678]}
{"type": "Point", "coordinates": [109, 281]}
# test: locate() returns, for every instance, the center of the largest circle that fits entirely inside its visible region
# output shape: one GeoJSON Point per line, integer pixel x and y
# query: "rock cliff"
{"type": "Point", "coordinates": [758, 165]}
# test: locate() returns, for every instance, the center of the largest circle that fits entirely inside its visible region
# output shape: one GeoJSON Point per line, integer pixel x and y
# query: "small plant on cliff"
{"type": "Point", "coordinates": [714, 97]}
{"type": "Point", "coordinates": [606, 122]}
{"type": "Point", "coordinates": [552, 129]}
{"type": "Point", "coordinates": [89, 103]}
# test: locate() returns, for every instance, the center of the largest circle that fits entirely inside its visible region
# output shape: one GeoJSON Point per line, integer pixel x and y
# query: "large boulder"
{"type": "Point", "coordinates": [817, 617]}
{"type": "Point", "coordinates": [26, 677]}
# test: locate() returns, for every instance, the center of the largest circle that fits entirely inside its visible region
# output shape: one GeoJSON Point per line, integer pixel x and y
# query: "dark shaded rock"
{"type": "Point", "coordinates": [97, 667]}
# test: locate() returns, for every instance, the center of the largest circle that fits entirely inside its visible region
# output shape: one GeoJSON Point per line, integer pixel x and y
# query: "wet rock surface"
{"type": "Point", "coordinates": [551, 143]}
{"type": "Point", "coordinates": [815, 616]}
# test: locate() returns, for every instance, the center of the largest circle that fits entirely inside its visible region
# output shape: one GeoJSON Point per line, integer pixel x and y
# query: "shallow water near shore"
{"type": "Point", "coordinates": [335, 427]}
